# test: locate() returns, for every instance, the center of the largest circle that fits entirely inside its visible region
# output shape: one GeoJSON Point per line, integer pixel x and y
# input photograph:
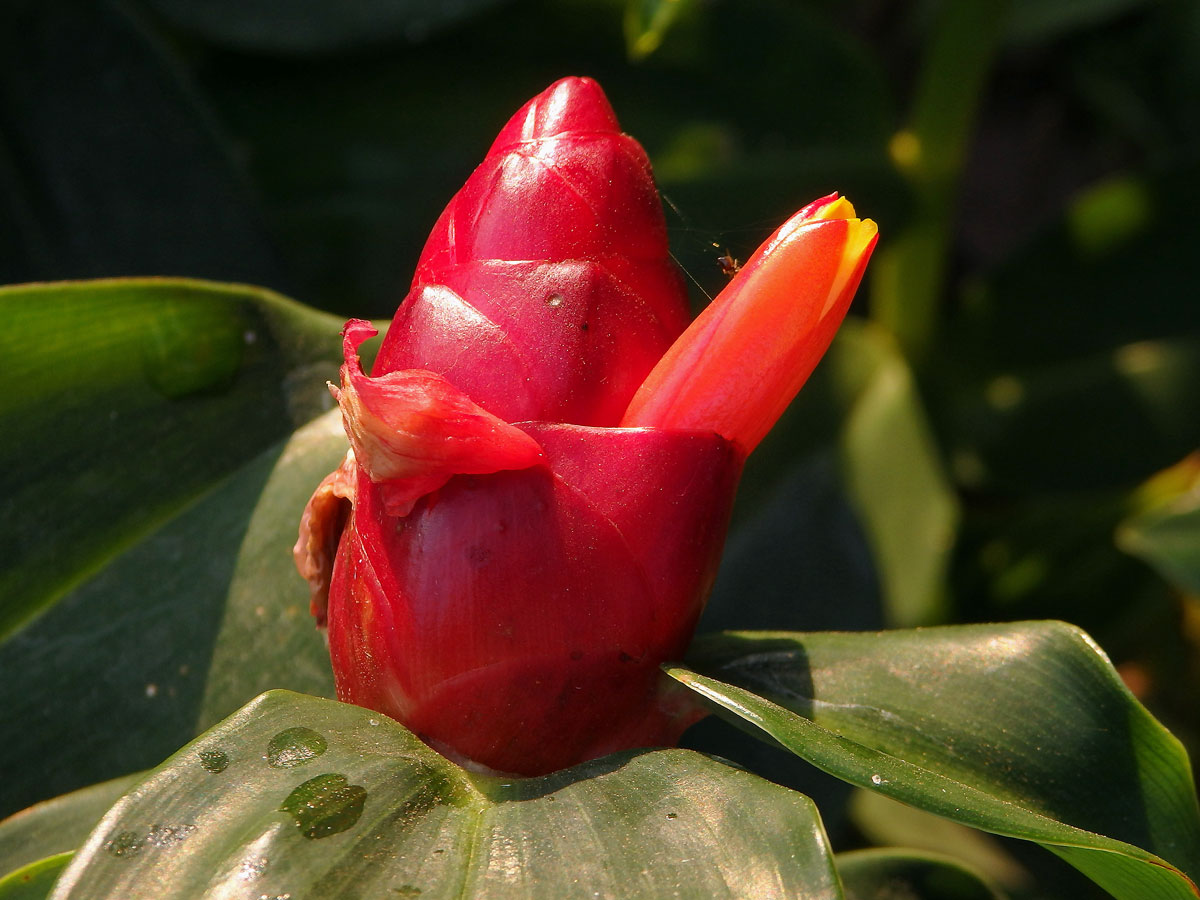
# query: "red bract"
{"type": "Point", "coordinates": [546, 291]}
{"type": "Point", "coordinates": [516, 542]}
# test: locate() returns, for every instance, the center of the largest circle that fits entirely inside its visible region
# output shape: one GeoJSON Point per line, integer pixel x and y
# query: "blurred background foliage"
{"type": "Point", "coordinates": [1008, 426]}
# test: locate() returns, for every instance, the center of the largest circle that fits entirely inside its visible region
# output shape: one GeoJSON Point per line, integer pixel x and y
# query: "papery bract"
{"type": "Point", "coordinates": [542, 466]}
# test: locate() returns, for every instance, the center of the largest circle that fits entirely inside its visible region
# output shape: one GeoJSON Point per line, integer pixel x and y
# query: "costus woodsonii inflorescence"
{"type": "Point", "coordinates": [543, 459]}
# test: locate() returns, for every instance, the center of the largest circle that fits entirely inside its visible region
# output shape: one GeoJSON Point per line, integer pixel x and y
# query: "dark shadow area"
{"type": "Point", "coordinates": [120, 685]}
{"type": "Point", "coordinates": [801, 563]}
{"type": "Point", "coordinates": [109, 165]}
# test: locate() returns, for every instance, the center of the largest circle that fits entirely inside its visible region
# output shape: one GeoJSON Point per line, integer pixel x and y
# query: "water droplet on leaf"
{"type": "Point", "coordinates": [294, 747]}
{"type": "Point", "coordinates": [125, 843]}
{"type": "Point", "coordinates": [252, 868]}
{"type": "Point", "coordinates": [213, 761]}
{"type": "Point", "coordinates": [168, 835]}
{"type": "Point", "coordinates": [325, 805]}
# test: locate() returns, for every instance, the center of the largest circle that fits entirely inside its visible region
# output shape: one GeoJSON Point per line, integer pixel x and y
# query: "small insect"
{"type": "Point", "coordinates": [730, 266]}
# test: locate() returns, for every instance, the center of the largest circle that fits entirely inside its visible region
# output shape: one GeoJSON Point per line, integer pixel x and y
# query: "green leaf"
{"type": "Point", "coordinates": [884, 822]}
{"type": "Point", "coordinates": [1168, 538]}
{"type": "Point", "coordinates": [57, 826]}
{"type": "Point", "coordinates": [34, 881]}
{"type": "Point", "coordinates": [893, 469]}
{"type": "Point", "coordinates": [888, 874]}
{"type": "Point", "coordinates": [194, 633]}
{"type": "Point", "coordinates": [648, 21]}
{"type": "Point", "coordinates": [135, 397]}
{"type": "Point", "coordinates": [150, 501]}
{"type": "Point", "coordinates": [314, 26]}
{"type": "Point", "coordinates": [1023, 730]}
{"type": "Point", "coordinates": [378, 813]}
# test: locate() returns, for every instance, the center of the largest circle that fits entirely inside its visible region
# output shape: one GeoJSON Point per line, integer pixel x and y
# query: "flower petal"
{"type": "Point", "coordinates": [321, 528]}
{"type": "Point", "coordinates": [741, 362]}
{"type": "Point", "coordinates": [412, 430]}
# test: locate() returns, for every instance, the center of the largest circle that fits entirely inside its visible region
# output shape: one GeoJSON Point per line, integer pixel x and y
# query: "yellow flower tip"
{"type": "Point", "coordinates": [840, 208]}
{"type": "Point", "coordinates": [860, 238]}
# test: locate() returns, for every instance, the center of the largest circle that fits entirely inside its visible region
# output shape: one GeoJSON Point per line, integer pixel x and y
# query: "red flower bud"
{"type": "Point", "coordinates": [516, 542]}
{"type": "Point", "coordinates": [546, 291]}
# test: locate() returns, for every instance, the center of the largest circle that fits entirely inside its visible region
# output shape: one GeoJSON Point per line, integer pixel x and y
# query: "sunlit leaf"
{"type": "Point", "coordinates": [379, 813]}
{"type": "Point", "coordinates": [1022, 730]}
{"type": "Point", "coordinates": [34, 881]}
{"type": "Point", "coordinates": [148, 589]}
{"type": "Point", "coordinates": [57, 826]}
{"type": "Point", "coordinates": [1167, 536]}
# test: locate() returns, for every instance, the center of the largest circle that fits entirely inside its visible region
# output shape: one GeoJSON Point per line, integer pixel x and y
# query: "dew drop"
{"type": "Point", "coordinates": [876, 779]}
{"type": "Point", "coordinates": [251, 869]}
{"type": "Point", "coordinates": [407, 890]}
{"type": "Point", "coordinates": [325, 805]}
{"type": "Point", "coordinates": [554, 301]}
{"type": "Point", "coordinates": [294, 747]}
{"type": "Point", "coordinates": [672, 815]}
{"type": "Point", "coordinates": [214, 761]}
{"type": "Point", "coordinates": [168, 835]}
{"type": "Point", "coordinates": [123, 844]}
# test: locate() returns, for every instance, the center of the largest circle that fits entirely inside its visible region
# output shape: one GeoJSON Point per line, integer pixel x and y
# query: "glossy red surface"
{"type": "Point", "coordinates": [501, 567]}
{"type": "Point", "coordinates": [520, 618]}
{"type": "Point", "coordinates": [546, 291]}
